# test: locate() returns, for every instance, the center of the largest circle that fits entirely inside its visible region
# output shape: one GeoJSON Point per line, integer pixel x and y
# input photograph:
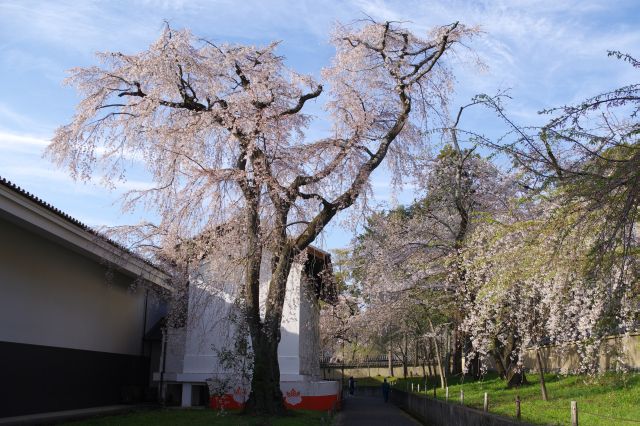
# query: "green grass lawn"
{"type": "Point", "coordinates": [206, 417]}
{"type": "Point", "coordinates": [609, 400]}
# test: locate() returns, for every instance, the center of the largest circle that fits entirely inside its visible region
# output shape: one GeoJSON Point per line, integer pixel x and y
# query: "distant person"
{"type": "Point", "coordinates": [385, 390]}
{"type": "Point", "coordinates": [352, 385]}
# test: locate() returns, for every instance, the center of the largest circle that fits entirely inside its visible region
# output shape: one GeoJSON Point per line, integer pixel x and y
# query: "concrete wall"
{"type": "Point", "coordinates": [616, 352]}
{"type": "Point", "coordinates": [172, 359]}
{"type": "Point", "coordinates": [193, 353]}
{"type": "Point", "coordinates": [438, 413]}
{"type": "Point", "coordinates": [335, 372]}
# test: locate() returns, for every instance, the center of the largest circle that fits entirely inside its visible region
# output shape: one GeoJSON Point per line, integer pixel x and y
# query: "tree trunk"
{"type": "Point", "coordinates": [447, 355]}
{"type": "Point", "coordinates": [456, 368]}
{"type": "Point", "coordinates": [423, 361]}
{"type": "Point", "coordinates": [508, 371]}
{"type": "Point", "coordinates": [506, 366]}
{"type": "Point", "coordinates": [390, 361]}
{"type": "Point", "coordinates": [474, 366]}
{"type": "Point", "coordinates": [342, 367]}
{"type": "Point", "coordinates": [516, 378]}
{"type": "Point", "coordinates": [416, 357]}
{"type": "Point", "coordinates": [265, 396]}
{"type": "Point", "coordinates": [502, 371]}
{"type": "Point", "coordinates": [436, 345]}
{"type": "Point", "coordinates": [430, 359]}
{"type": "Point", "coordinates": [405, 358]}
{"type": "Point", "coordinates": [543, 385]}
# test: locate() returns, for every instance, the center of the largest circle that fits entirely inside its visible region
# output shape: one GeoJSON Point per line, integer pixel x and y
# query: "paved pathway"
{"type": "Point", "coordinates": [372, 411]}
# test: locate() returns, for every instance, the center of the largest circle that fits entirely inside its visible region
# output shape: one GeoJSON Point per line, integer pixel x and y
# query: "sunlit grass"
{"type": "Point", "coordinates": [608, 400]}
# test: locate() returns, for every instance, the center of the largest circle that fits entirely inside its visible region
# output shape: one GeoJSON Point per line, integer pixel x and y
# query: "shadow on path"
{"type": "Point", "coordinates": [372, 411]}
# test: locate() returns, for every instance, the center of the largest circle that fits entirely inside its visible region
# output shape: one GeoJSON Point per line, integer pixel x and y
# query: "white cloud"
{"type": "Point", "coordinates": [26, 174]}
{"type": "Point", "coordinates": [20, 59]}
{"type": "Point", "coordinates": [11, 142]}
{"type": "Point", "coordinates": [9, 117]}
{"type": "Point", "coordinates": [79, 27]}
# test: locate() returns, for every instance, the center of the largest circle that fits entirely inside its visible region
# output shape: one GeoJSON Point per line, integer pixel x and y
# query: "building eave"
{"type": "Point", "coordinates": [319, 253]}
{"type": "Point", "coordinates": [22, 208]}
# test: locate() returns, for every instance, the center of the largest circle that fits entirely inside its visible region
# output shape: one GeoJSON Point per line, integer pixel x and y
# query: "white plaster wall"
{"type": "Point", "coordinates": [209, 328]}
{"type": "Point", "coordinates": [174, 353]}
{"type": "Point", "coordinates": [50, 295]}
{"type": "Point", "coordinates": [211, 294]}
{"type": "Point", "coordinates": [309, 346]}
{"type": "Point", "coordinates": [288, 349]}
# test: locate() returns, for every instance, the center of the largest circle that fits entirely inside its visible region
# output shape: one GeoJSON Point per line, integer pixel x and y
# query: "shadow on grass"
{"type": "Point", "coordinates": [208, 417]}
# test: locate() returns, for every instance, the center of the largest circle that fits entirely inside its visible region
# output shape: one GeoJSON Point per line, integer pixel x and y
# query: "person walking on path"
{"type": "Point", "coordinates": [385, 390]}
{"type": "Point", "coordinates": [352, 385]}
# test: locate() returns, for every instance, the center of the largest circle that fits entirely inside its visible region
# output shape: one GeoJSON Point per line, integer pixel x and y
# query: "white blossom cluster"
{"type": "Point", "coordinates": [532, 279]}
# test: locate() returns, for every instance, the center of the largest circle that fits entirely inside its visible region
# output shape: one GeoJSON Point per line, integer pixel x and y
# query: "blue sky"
{"type": "Point", "coordinates": [547, 52]}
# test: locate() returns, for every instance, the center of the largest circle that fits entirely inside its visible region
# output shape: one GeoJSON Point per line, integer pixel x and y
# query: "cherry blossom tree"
{"type": "Point", "coordinates": [338, 320]}
{"type": "Point", "coordinates": [531, 283]}
{"type": "Point", "coordinates": [220, 129]}
{"type": "Point", "coordinates": [581, 172]}
{"type": "Point", "coordinates": [409, 258]}
{"type": "Point", "coordinates": [589, 151]}
{"type": "Point", "coordinates": [504, 313]}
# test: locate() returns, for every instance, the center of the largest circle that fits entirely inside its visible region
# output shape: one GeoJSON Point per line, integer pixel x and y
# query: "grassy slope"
{"type": "Point", "coordinates": [613, 396]}
{"type": "Point", "coordinates": [205, 417]}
